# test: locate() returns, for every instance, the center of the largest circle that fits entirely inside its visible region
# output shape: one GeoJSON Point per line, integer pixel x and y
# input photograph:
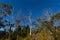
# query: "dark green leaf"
{"type": "Point", "coordinates": [8, 11]}
{"type": "Point", "coordinates": [9, 6]}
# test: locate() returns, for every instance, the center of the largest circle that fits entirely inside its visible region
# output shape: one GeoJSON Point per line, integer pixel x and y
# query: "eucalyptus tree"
{"type": "Point", "coordinates": [50, 24]}
{"type": "Point", "coordinates": [5, 11]}
{"type": "Point", "coordinates": [47, 23]}
{"type": "Point", "coordinates": [29, 18]}
{"type": "Point", "coordinates": [56, 19]}
{"type": "Point", "coordinates": [40, 21]}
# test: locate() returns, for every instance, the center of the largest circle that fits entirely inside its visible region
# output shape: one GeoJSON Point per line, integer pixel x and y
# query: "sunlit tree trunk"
{"type": "Point", "coordinates": [10, 32]}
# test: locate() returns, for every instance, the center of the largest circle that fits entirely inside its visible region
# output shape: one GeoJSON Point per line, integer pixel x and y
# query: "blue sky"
{"type": "Point", "coordinates": [36, 6]}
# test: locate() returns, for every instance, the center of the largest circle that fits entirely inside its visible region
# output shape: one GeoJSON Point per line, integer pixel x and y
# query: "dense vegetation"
{"type": "Point", "coordinates": [45, 29]}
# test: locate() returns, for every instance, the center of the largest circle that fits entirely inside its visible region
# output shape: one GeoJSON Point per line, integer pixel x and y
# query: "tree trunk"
{"type": "Point", "coordinates": [10, 32]}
